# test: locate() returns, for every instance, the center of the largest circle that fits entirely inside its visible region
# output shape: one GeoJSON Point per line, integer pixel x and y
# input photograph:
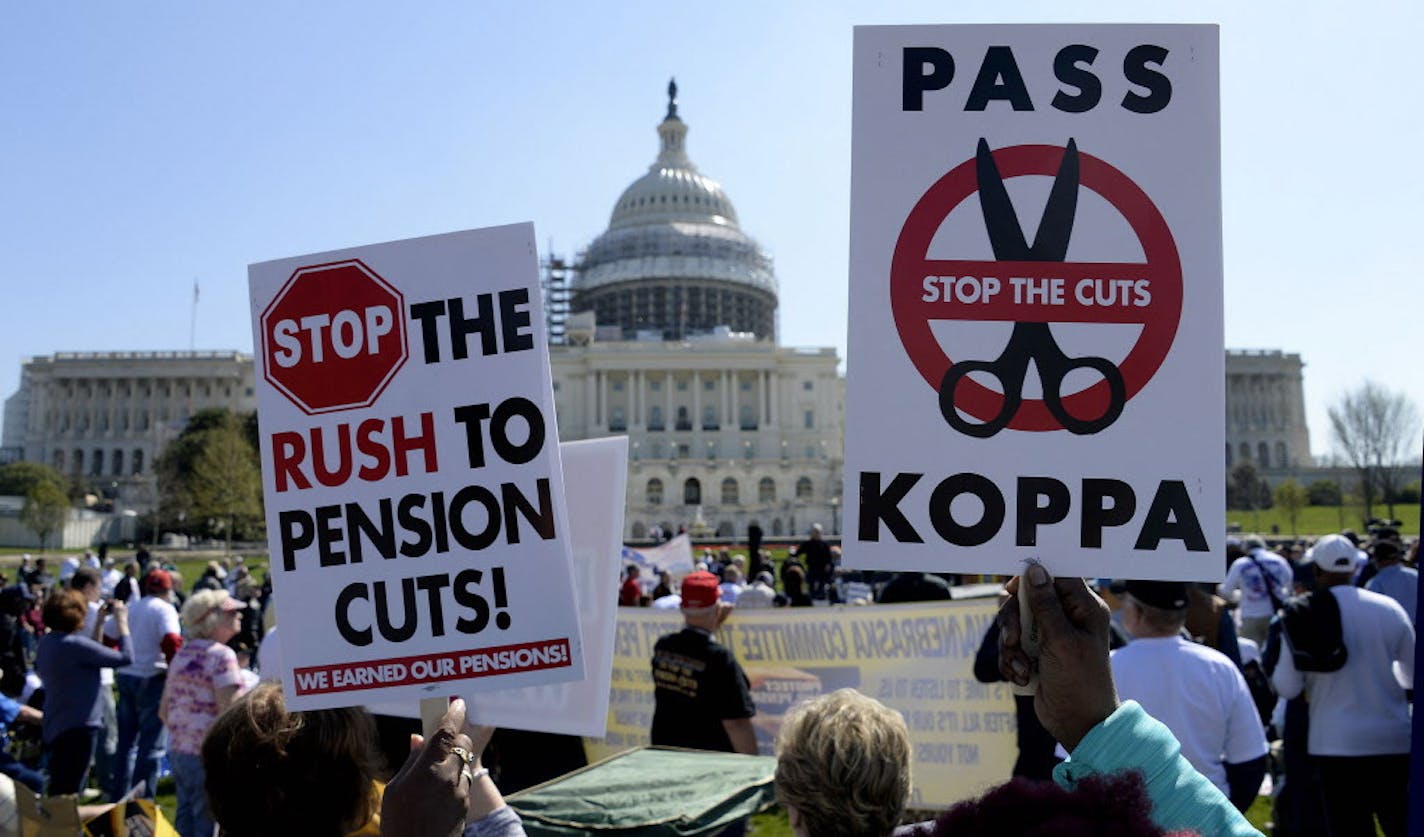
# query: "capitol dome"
{"type": "Point", "coordinates": [674, 259]}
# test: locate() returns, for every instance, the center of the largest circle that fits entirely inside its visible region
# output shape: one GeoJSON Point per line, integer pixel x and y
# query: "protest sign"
{"type": "Point", "coordinates": [414, 498]}
{"type": "Point", "coordinates": [917, 659]}
{"type": "Point", "coordinates": [1036, 301]}
{"type": "Point", "coordinates": [595, 476]}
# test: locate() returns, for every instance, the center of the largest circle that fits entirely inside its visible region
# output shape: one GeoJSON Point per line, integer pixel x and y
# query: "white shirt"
{"type": "Point", "coordinates": [1359, 710]}
{"type": "Point", "coordinates": [1400, 583]}
{"type": "Point", "coordinates": [757, 596]}
{"type": "Point", "coordinates": [1243, 576]}
{"type": "Point", "coordinates": [106, 675]}
{"type": "Point", "coordinates": [1201, 697]}
{"type": "Point", "coordinates": [150, 619]}
{"type": "Point", "coordinates": [109, 581]}
{"type": "Point", "coordinates": [730, 592]}
{"type": "Point", "coordinates": [67, 568]}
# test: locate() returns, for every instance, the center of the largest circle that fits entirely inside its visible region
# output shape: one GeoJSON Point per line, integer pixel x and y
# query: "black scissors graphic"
{"type": "Point", "coordinates": [1030, 342]}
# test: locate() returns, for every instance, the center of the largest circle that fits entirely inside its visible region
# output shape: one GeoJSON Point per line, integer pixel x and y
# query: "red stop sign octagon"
{"type": "Point", "coordinates": [333, 337]}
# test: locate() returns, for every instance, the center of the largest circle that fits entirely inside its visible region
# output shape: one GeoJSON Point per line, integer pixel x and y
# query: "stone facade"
{"type": "Point", "coordinates": [106, 415]}
{"type": "Point", "coordinates": [1265, 411]}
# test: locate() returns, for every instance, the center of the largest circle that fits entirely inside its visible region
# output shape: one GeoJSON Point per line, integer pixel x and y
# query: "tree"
{"type": "Point", "coordinates": [1324, 493]}
{"type": "Point", "coordinates": [17, 478]}
{"type": "Point", "coordinates": [1377, 431]}
{"type": "Point", "coordinates": [193, 467]}
{"type": "Point", "coordinates": [1243, 483]}
{"type": "Point", "coordinates": [46, 509]}
{"type": "Point", "coordinates": [1291, 497]}
{"type": "Point", "coordinates": [226, 483]}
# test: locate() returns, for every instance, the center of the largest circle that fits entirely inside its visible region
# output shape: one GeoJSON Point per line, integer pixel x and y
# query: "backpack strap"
{"type": "Point", "coordinates": [1270, 582]}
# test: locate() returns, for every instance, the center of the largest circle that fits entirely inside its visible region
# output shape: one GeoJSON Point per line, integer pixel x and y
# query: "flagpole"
{"type": "Point", "coordinates": [193, 318]}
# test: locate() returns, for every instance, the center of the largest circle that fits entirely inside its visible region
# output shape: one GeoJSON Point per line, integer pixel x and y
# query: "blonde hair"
{"type": "Point", "coordinates": [843, 760]}
{"type": "Point", "coordinates": [203, 612]}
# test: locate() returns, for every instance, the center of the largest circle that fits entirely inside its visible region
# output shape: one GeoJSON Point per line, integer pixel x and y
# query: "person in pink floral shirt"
{"type": "Point", "coordinates": [203, 680]}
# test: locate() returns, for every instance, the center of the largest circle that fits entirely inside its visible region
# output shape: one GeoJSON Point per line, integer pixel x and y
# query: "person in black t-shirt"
{"type": "Point", "coordinates": [703, 698]}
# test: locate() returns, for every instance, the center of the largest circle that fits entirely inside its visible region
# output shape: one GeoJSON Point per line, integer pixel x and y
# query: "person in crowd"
{"type": "Point", "coordinates": [69, 663]}
{"type": "Point", "coordinates": [758, 595]}
{"type": "Point", "coordinates": [1392, 578]}
{"type": "Point", "coordinates": [815, 553]}
{"type": "Point", "coordinates": [314, 773]}
{"type": "Point", "coordinates": [843, 766]}
{"type": "Point", "coordinates": [89, 583]}
{"type": "Point", "coordinates": [731, 584]}
{"type": "Point", "coordinates": [664, 586]}
{"type": "Point", "coordinates": [13, 712]}
{"type": "Point", "coordinates": [1263, 580]}
{"type": "Point", "coordinates": [156, 639]}
{"type": "Point", "coordinates": [14, 601]}
{"type": "Point", "coordinates": [631, 592]}
{"type": "Point", "coordinates": [126, 588]}
{"type": "Point", "coordinates": [1036, 758]}
{"type": "Point", "coordinates": [1211, 622]}
{"type": "Point", "coordinates": [67, 568]}
{"type": "Point", "coordinates": [1359, 714]}
{"type": "Point", "coordinates": [109, 579]}
{"type": "Point", "coordinates": [203, 680]}
{"type": "Point", "coordinates": [249, 632]}
{"type": "Point", "coordinates": [915, 587]}
{"type": "Point", "coordinates": [32, 619]}
{"type": "Point", "coordinates": [39, 575]}
{"type": "Point", "coordinates": [754, 536]}
{"type": "Point", "coordinates": [702, 698]}
{"type": "Point", "coordinates": [793, 582]}
{"type": "Point", "coordinates": [1196, 691]}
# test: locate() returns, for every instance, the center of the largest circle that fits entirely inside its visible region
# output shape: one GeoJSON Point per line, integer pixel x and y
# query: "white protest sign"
{"type": "Point", "coordinates": [595, 476]}
{"type": "Point", "coordinates": [1035, 364]}
{"type": "Point", "coordinates": [414, 498]}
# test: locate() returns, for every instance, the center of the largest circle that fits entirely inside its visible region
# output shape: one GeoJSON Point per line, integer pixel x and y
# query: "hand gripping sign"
{"type": "Point", "coordinates": [1035, 301]}
{"type": "Point", "coordinates": [1149, 293]}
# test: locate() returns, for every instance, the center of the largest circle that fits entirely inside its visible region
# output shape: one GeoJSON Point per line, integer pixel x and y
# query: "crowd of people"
{"type": "Point", "coordinates": [1158, 706]}
{"type": "Point", "coordinates": [1299, 665]}
{"type": "Point", "coordinates": [119, 673]}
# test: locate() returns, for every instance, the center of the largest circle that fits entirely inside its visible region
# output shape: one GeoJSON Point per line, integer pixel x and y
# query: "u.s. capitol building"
{"type": "Point", "coordinates": [672, 340]}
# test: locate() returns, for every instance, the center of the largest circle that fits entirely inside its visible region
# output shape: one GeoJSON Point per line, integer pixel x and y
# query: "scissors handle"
{"type": "Point", "coordinates": [1013, 396]}
{"type": "Point", "coordinates": [1053, 392]}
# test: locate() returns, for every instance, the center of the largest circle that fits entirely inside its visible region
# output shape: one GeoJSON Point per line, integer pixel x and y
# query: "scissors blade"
{"type": "Point", "coordinates": [1050, 243]}
{"type": "Point", "coordinates": [1000, 220]}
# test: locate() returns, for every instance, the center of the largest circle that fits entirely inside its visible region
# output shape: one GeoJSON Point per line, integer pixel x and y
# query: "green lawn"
{"type": "Point", "coordinates": [1320, 520]}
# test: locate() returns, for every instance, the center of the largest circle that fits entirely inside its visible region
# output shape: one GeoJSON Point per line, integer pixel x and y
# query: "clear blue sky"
{"type": "Point", "coordinates": [146, 146]}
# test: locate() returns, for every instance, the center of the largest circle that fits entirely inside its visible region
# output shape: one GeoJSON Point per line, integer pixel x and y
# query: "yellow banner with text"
{"type": "Point", "coordinates": [915, 658]}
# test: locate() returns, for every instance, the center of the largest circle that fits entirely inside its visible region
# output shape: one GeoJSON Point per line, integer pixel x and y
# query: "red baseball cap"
{"type": "Point", "coordinates": [700, 590]}
{"type": "Point", "coordinates": [157, 581]}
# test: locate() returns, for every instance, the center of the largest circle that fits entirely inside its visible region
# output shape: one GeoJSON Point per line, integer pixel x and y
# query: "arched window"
{"type": "Point", "coordinates": [804, 489]}
{"type": "Point", "coordinates": [616, 421]}
{"type": "Point", "coordinates": [683, 422]}
{"type": "Point", "coordinates": [59, 461]}
{"type": "Point", "coordinates": [1245, 452]}
{"type": "Point", "coordinates": [117, 463]}
{"type": "Point", "coordinates": [692, 492]}
{"type": "Point", "coordinates": [655, 492]}
{"type": "Point", "coordinates": [655, 418]}
{"type": "Point", "coordinates": [729, 492]}
{"type": "Point", "coordinates": [766, 490]}
{"type": "Point", "coordinates": [1264, 454]}
{"type": "Point", "coordinates": [776, 527]}
{"type": "Point", "coordinates": [138, 461]}
{"type": "Point", "coordinates": [709, 418]}
{"type": "Point", "coordinates": [1281, 458]}
{"type": "Point", "coordinates": [1228, 454]}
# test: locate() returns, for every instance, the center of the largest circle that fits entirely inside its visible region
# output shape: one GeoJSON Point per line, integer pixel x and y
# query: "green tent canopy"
{"type": "Point", "coordinates": [650, 791]}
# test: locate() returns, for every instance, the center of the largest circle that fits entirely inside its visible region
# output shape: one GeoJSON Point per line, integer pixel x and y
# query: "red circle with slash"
{"type": "Point", "coordinates": [913, 316]}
